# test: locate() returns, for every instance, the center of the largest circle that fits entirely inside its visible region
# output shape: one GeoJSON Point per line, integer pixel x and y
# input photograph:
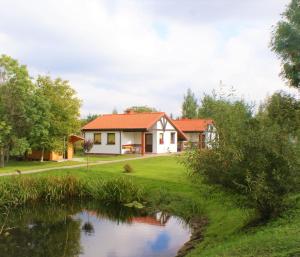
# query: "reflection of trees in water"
{"type": "Point", "coordinates": [88, 227]}
{"type": "Point", "coordinates": [53, 231]}
{"type": "Point", "coordinates": [163, 217]}
{"type": "Point", "coordinates": [40, 231]}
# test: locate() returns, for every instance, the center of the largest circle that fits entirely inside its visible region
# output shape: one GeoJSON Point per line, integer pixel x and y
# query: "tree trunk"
{"type": "Point", "coordinates": [1, 157]}
{"type": "Point", "coordinates": [7, 155]}
{"type": "Point", "coordinates": [42, 155]}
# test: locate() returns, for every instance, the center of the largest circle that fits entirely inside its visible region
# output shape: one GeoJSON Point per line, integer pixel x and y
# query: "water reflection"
{"type": "Point", "coordinates": [89, 230]}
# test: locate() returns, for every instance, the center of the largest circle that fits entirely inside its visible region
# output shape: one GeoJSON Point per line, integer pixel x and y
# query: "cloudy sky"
{"type": "Point", "coordinates": [119, 53]}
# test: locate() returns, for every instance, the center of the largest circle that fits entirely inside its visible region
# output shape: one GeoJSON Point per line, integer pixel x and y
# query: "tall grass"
{"type": "Point", "coordinates": [20, 190]}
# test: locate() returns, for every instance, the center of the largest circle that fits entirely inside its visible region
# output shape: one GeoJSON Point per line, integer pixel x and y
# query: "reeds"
{"type": "Point", "coordinates": [19, 190]}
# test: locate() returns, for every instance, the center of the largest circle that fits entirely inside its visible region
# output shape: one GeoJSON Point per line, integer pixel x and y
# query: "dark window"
{"type": "Point", "coordinates": [111, 138]}
{"type": "Point", "coordinates": [161, 138]}
{"type": "Point", "coordinates": [173, 137]}
{"type": "Point", "coordinates": [97, 138]}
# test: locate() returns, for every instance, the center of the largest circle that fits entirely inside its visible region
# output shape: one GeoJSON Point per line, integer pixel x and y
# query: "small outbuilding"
{"type": "Point", "coordinates": [56, 155]}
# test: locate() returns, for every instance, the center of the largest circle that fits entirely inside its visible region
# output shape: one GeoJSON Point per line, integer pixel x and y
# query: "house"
{"type": "Point", "coordinates": [56, 155]}
{"type": "Point", "coordinates": [199, 132]}
{"type": "Point", "coordinates": [131, 132]}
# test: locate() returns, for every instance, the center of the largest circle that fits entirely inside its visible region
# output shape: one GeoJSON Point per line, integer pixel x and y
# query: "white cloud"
{"type": "Point", "coordinates": [118, 54]}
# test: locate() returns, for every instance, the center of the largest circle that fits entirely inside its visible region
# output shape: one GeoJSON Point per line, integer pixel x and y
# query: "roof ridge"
{"type": "Point", "coordinates": [135, 113]}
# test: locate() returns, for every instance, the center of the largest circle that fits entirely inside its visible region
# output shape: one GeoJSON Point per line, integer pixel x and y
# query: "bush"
{"type": "Point", "coordinates": [254, 156]}
{"type": "Point", "coordinates": [127, 168]}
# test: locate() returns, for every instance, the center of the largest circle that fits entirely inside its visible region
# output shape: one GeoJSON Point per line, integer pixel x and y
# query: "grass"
{"type": "Point", "coordinates": [167, 186]}
{"type": "Point", "coordinates": [12, 165]}
{"type": "Point", "coordinates": [95, 158]}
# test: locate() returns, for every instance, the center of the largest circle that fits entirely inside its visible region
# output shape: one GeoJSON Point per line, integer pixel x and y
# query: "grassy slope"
{"type": "Point", "coordinates": [166, 181]}
{"type": "Point", "coordinates": [94, 158]}
{"type": "Point", "coordinates": [12, 165]}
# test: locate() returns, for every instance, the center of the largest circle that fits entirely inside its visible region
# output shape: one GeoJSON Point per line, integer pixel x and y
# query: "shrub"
{"type": "Point", "coordinates": [254, 156]}
{"type": "Point", "coordinates": [127, 168]}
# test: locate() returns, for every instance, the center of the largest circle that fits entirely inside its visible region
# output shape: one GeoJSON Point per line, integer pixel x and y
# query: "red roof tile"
{"type": "Point", "coordinates": [124, 121]}
{"type": "Point", "coordinates": [190, 125]}
{"type": "Point", "coordinates": [142, 121]}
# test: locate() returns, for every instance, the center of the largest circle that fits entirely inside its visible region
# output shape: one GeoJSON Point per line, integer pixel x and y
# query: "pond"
{"type": "Point", "coordinates": [90, 230]}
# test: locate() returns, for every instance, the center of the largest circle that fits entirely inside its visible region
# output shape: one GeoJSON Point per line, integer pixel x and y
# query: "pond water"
{"type": "Point", "coordinates": [90, 230]}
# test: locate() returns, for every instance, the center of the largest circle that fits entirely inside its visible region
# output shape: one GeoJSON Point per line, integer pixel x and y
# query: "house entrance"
{"type": "Point", "coordinates": [148, 143]}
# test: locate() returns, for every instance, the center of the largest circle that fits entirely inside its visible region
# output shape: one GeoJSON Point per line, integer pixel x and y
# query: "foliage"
{"type": "Point", "coordinates": [20, 147]}
{"type": "Point", "coordinates": [140, 109]}
{"type": "Point", "coordinates": [90, 117]}
{"type": "Point", "coordinates": [190, 105]}
{"type": "Point", "coordinates": [40, 114]}
{"type": "Point", "coordinates": [87, 145]}
{"type": "Point", "coordinates": [63, 113]}
{"type": "Point", "coordinates": [253, 156]}
{"type": "Point", "coordinates": [128, 168]}
{"type": "Point", "coordinates": [116, 191]}
{"type": "Point", "coordinates": [19, 190]}
{"type": "Point", "coordinates": [16, 91]}
{"type": "Point", "coordinates": [285, 43]}
{"type": "Point", "coordinates": [4, 133]}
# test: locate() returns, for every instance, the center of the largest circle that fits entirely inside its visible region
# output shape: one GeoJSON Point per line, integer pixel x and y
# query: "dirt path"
{"type": "Point", "coordinates": [83, 165]}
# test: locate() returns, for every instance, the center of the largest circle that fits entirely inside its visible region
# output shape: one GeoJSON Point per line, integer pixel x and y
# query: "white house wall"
{"type": "Point", "coordinates": [104, 148]}
{"type": "Point", "coordinates": [166, 147]}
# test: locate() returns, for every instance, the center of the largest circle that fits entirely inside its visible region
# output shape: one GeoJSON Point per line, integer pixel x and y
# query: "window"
{"type": "Point", "coordinates": [173, 137]}
{"type": "Point", "coordinates": [111, 138]}
{"type": "Point", "coordinates": [161, 138]}
{"type": "Point", "coordinates": [97, 138]}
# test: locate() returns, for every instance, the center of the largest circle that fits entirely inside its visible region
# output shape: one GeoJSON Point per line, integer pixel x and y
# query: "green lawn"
{"type": "Point", "coordinates": [12, 166]}
{"type": "Point", "coordinates": [168, 185]}
{"type": "Point", "coordinates": [94, 158]}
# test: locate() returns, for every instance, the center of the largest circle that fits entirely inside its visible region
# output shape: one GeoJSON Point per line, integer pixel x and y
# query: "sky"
{"type": "Point", "coordinates": [118, 53]}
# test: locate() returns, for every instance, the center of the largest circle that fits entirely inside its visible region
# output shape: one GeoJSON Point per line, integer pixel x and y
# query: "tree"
{"type": "Point", "coordinates": [284, 110]}
{"type": "Point", "coordinates": [140, 109]}
{"type": "Point", "coordinates": [4, 138]}
{"type": "Point", "coordinates": [90, 117]}
{"type": "Point", "coordinates": [253, 156]}
{"type": "Point", "coordinates": [40, 138]}
{"type": "Point", "coordinates": [285, 43]}
{"type": "Point", "coordinates": [60, 105]}
{"type": "Point", "coordinates": [190, 105]}
{"type": "Point", "coordinates": [87, 146]}
{"type": "Point", "coordinates": [16, 92]}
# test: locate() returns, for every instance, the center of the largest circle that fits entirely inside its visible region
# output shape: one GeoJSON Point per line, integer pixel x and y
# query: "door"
{"type": "Point", "coordinates": [148, 143]}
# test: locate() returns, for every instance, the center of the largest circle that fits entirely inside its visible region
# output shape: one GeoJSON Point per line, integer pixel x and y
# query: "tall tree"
{"type": "Point", "coordinates": [4, 139]}
{"type": "Point", "coordinates": [60, 105]}
{"type": "Point", "coordinates": [190, 105]}
{"type": "Point", "coordinates": [16, 92]}
{"type": "Point", "coordinates": [285, 43]}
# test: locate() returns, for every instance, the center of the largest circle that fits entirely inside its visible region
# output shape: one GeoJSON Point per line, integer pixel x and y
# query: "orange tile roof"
{"type": "Point", "coordinates": [190, 125]}
{"type": "Point", "coordinates": [130, 121]}
{"type": "Point", "coordinates": [124, 121]}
